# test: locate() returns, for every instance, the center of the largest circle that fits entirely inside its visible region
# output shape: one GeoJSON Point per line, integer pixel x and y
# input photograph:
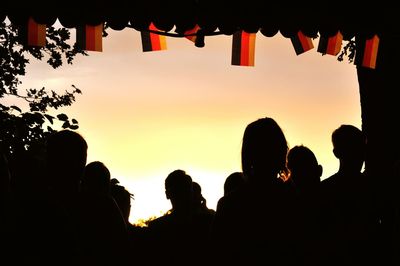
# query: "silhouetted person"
{"type": "Point", "coordinates": [51, 237]}
{"type": "Point", "coordinates": [200, 202]}
{"type": "Point", "coordinates": [351, 214]}
{"type": "Point", "coordinates": [233, 182]}
{"type": "Point", "coordinates": [254, 225]}
{"type": "Point", "coordinates": [305, 173]}
{"type": "Point", "coordinates": [180, 236]}
{"type": "Point", "coordinates": [96, 179]}
{"type": "Point", "coordinates": [304, 169]}
{"type": "Point", "coordinates": [103, 233]}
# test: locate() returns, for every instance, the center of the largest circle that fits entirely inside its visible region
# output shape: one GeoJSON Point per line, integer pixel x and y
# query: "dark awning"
{"type": "Point", "coordinates": [222, 15]}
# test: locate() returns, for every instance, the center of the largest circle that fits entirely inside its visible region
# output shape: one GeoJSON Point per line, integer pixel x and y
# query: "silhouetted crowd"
{"type": "Point", "coordinates": [60, 210]}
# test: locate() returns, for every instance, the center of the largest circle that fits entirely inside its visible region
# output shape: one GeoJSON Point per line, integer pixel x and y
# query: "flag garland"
{"type": "Point", "coordinates": [36, 33]}
{"type": "Point", "coordinates": [301, 43]}
{"type": "Point", "coordinates": [153, 41]}
{"type": "Point", "coordinates": [90, 38]}
{"type": "Point", "coordinates": [330, 45]}
{"type": "Point", "coordinates": [192, 31]}
{"type": "Point", "coordinates": [243, 48]}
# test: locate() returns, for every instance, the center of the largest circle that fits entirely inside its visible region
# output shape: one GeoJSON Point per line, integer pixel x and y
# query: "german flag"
{"type": "Point", "coordinates": [36, 34]}
{"type": "Point", "coordinates": [301, 43]}
{"type": "Point", "coordinates": [370, 52]}
{"type": "Point", "coordinates": [330, 45]}
{"type": "Point", "coordinates": [153, 41]}
{"type": "Point", "coordinates": [243, 48]}
{"type": "Point", "coordinates": [90, 38]}
{"type": "Point", "coordinates": [192, 31]}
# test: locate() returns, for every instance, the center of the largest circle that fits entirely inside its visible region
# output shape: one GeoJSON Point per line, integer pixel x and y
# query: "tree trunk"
{"type": "Point", "coordinates": [380, 106]}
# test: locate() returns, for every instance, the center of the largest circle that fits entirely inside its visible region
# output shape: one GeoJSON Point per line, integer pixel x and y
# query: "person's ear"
{"type": "Point", "coordinates": [167, 194]}
{"type": "Point", "coordinates": [320, 170]}
{"type": "Point", "coordinates": [336, 153]}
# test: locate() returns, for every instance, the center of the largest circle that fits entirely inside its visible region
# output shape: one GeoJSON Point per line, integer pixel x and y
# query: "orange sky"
{"type": "Point", "coordinates": [147, 114]}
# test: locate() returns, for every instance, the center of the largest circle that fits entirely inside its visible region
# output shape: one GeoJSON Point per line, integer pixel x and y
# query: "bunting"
{"type": "Point", "coordinates": [90, 38]}
{"type": "Point", "coordinates": [192, 31]}
{"type": "Point", "coordinates": [301, 43]}
{"type": "Point", "coordinates": [370, 52]}
{"type": "Point", "coordinates": [330, 45]}
{"type": "Point", "coordinates": [36, 33]}
{"type": "Point", "coordinates": [243, 48]}
{"type": "Point", "coordinates": [153, 41]}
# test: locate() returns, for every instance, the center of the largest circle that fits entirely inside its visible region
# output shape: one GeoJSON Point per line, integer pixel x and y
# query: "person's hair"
{"type": "Point", "coordinates": [121, 196]}
{"type": "Point", "coordinates": [176, 182]}
{"type": "Point", "coordinates": [348, 136]}
{"type": "Point", "coordinates": [234, 181]}
{"type": "Point", "coordinates": [66, 145]}
{"type": "Point", "coordinates": [299, 157]}
{"type": "Point", "coordinates": [96, 178]}
{"type": "Point", "coordinates": [264, 148]}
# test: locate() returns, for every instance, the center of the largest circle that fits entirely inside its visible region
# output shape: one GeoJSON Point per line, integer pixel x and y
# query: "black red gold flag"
{"type": "Point", "coordinates": [301, 43]}
{"type": "Point", "coordinates": [243, 48]}
{"type": "Point", "coordinates": [153, 41]}
{"type": "Point", "coordinates": [192, 31]}
{"type": "Point", "coordinates": [370, 52]}
{"type": "Point", "coordinates": [330, 45]}
{"type": "Point", "coordinates": [90, 38]}
{"type": "Point", "coordinates": [36, 33]}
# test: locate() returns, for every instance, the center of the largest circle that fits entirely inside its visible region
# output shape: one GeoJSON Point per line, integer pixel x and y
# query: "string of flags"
{"type": "Point", "coordinates": [89, 38]}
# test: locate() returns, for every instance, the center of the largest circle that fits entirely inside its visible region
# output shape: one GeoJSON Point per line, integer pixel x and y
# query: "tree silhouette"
{"type": "Point", "coordinates": [22, 131]}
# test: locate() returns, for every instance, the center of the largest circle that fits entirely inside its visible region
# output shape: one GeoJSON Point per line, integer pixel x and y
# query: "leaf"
{"type": "Point", "coordinates": [66, 125]}
{"type": "Point", "coordinates": [16, 108]}
{"type": "Point", "coordinates": [62, 117]}
{"type": "Point", "coordinates": [74, 121]}
{"type": "Point", "coordinates": [74, 127]}
{"type": "Point", "coordinates": [50, 118]}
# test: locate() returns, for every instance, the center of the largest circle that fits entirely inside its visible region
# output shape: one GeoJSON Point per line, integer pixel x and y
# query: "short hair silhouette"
{"type": "Point", "coordinates": [66, 154]}
{"type": "Point", "coordinates": [96, 178]}
{"type": "Point", "coordinates": [179, 190]}
{"type": "Point", "coordinates": [304, 168]}
{"type": "Point", "coordinates": [233, 182]}
{"type": "Point", "coordinates": [264, 149]}
{"type": "Point", "coordinates": [349, 146]}
{"type": "Point", "coordinates": [176, 183]}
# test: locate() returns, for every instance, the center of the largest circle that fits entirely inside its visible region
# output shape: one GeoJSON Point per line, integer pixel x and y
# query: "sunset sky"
{"type": "Point", "coordinates": [145, 114]}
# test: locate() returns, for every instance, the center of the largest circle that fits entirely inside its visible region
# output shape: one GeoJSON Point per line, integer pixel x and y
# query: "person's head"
{"type": "Point", "coordinates": [264, 150]}
{"type": "Point", "coordinates": [96, 178]}
{"type": "Point", "coordinates": [122, 197]}
{"type": "Point", "coordinates": [349, 146]}
{"type": "Point", "coordinates": [66, 153]}
{"type": "Point", "coordinates": [233, 182]}
{"type": "Point", "coordinates": [304, 168]}
{"type": "Point", "coordinates": [198, 198]}
{"type": "Point", "coordinates": [179, 189]}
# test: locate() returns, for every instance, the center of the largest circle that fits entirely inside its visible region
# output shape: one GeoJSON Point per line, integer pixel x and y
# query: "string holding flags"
{"type": "Point", "coordinates": [301, 43]}
{"type": "Point", "coordinates": [330, 45]}
{"type": "Point", "coordinates": [153, 41]}
{"type": "Point", "coordinates": [89, 37]}
{"type": "Point", "coordinates": [243, 48]}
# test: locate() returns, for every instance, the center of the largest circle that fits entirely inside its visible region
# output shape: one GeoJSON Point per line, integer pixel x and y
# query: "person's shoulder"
{"type": "Point", "coordinates": [159, 221]}
{"type": "Point", "coordinates": [329, 181]}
